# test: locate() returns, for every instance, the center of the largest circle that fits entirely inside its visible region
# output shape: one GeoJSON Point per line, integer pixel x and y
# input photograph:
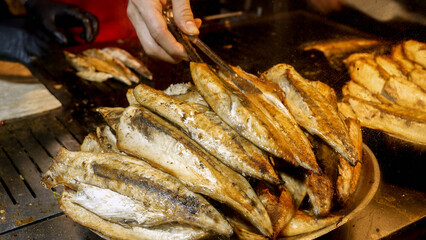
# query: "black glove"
{"type": "Point", "coordinates": [53, 15]}
{"type": "Point", "coordinates": [21, 44]}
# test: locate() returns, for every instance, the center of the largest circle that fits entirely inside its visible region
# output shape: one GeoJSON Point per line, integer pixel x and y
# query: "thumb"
{"type": "Point", "coordinates": [184, 18]}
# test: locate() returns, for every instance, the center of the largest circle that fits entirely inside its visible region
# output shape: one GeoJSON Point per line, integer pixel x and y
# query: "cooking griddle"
{"type": "Point", "coordinates": [28, 211]}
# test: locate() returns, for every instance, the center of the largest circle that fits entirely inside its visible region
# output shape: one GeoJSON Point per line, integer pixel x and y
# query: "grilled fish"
{"type": "Point", "coordinates": [79, 63]}
{"type": "Point", "coordinates": [85, 69]}
{"type": "Point", "coordinates": [186, 92]}
{"type": "Point", "coordinates": [367, 74]}
{"type": "Point", "coordinates": [314, 106]}
{"type": "Point", "coordinates": [406, 93]}
{"type": "Point", "coordinates": [279, 205]}
{"type": "Point", "coordinates": [155, 197]}
{"type": "Point", "coordinates": [320, 192]}
{"type": "Point", "coordinates": [297, 146]}
{"type": "Point", "coordinates": [101, 142]}
{"type": "Point", "coordinates": [348, 175]}
{"type": "Point", "coordinates": [111, 115]}
{"type": "Point", "coordinates": [242, 230]}
{"type": "Point", "coordinates": [303, 223]}
{"type": "Point", "coordinates": [401, 122]}
{"type": "Point", "coordinates": [94, 76]}
{"type": "Point", "coordinates": [110, 230]}
{"type": "Point", "coordinates": [418, 77]}
{"type": "Point", "coordinates": [144, 134]}
{"type": "Point", "coordinates": [296, 185]}
{"type": "Point", "coordinates": [351, 88]}
{"type": "Point", "coordinates": [193, 97]}
{"type": "Point", "coordinates": [388, 67]}
{"type": "Point", "coordinates": [233, 108]}
{"type": "Point", "coordinates": [129, 60]}
{"type": "Point", "coordinates": [415, 51]}
{"type": "Point", "coordinates": [205, 132]}
{"type": "Point", "coordinates": [91, 144]}
{"type": "Point", "coordinates": [119, 69]}
{"type": "Point", "coordinates": [245, 114]}
{"type": "Point", "coordinates": [337, 49]}
{"type": "Point", "coordinates": [406, 65]}
{"type": "Point", "coordinates": [107, 139]}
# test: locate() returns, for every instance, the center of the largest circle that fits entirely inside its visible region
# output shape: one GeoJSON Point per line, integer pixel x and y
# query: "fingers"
{"type": "Point", "coordinates": [91, 27]}
{"type": "Point", "coordinates": [88, 21]}
{"type": "Point", "coordinates": [184, 18]}
{"type": "Point", "coordinates": [151, 27]}
{"type": "Point", "coordinates": [51, 28]}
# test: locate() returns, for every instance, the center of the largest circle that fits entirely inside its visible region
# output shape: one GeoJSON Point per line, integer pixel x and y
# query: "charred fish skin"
{"type": "Point", "coordinates": [162, 197]}
{"type": "Point", "coordinates": [296, 146]}
{"type": "Point", "coordinates": [312, 110]}
{"type": "Point", "coordinates": [205, 132]}
{"type": "Point", "coordinates": [232, 108]}
{"type": "Point", "coordinates": [194, 98]}
{"type": "Point", "coordinates": [111, 115]}
{"type": "Point", "coordinates": [144, 134]}
{"type": "Point", "coordinates": [248, 115]}
{"type": "Point", "coordinates": [111, 230]}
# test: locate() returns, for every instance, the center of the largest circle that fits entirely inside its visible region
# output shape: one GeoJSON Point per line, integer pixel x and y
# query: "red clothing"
{"type": "Point", "coordinates": [112, 14]}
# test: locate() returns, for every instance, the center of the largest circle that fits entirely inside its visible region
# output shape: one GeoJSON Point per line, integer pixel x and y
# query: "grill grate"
{"type": "Point", "coordinates": [26, 150]}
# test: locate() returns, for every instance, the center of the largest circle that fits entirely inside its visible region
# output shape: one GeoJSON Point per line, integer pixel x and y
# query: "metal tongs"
{"type": "Point", "coordinates": [245, 85]}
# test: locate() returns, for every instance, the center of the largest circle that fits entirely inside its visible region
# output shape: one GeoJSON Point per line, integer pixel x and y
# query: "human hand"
{"type": "Point", "coordinates": [327, 6]}
{"type": "Point", "coordinates": [20, 44]}
{"type": "Point", "coordinates": [151, 27]}
{"type": "Point", "coordinates": [54, 15]}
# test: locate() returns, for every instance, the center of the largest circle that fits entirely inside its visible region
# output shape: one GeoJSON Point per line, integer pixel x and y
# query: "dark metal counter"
{"type": "Point", "coordinates": [28, 211]}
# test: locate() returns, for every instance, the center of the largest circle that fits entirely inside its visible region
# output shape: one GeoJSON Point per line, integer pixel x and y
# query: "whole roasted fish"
{"type": "Point", "coordinates": [314, 106]}
{"type": "Point", "coordinates": [211, 136]}
{"type": "Point", "coordinates": [147, 196]}
{"type": "Point", "coordinates": [143, 134]}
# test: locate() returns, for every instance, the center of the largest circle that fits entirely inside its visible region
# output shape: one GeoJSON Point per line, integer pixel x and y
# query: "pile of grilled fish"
{"type": "Point", "coordinates": [205, 159]}
{"type": "Point", "coordinates": [388, 92]}
{"type": "Point", "coordinates": [99, 65]}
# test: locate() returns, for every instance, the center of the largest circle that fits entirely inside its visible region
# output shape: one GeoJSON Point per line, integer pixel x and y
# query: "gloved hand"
{"type": "Point", "coordinates": [54, 15]}
{"type": "Point", "coordinates": [19, 43]}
